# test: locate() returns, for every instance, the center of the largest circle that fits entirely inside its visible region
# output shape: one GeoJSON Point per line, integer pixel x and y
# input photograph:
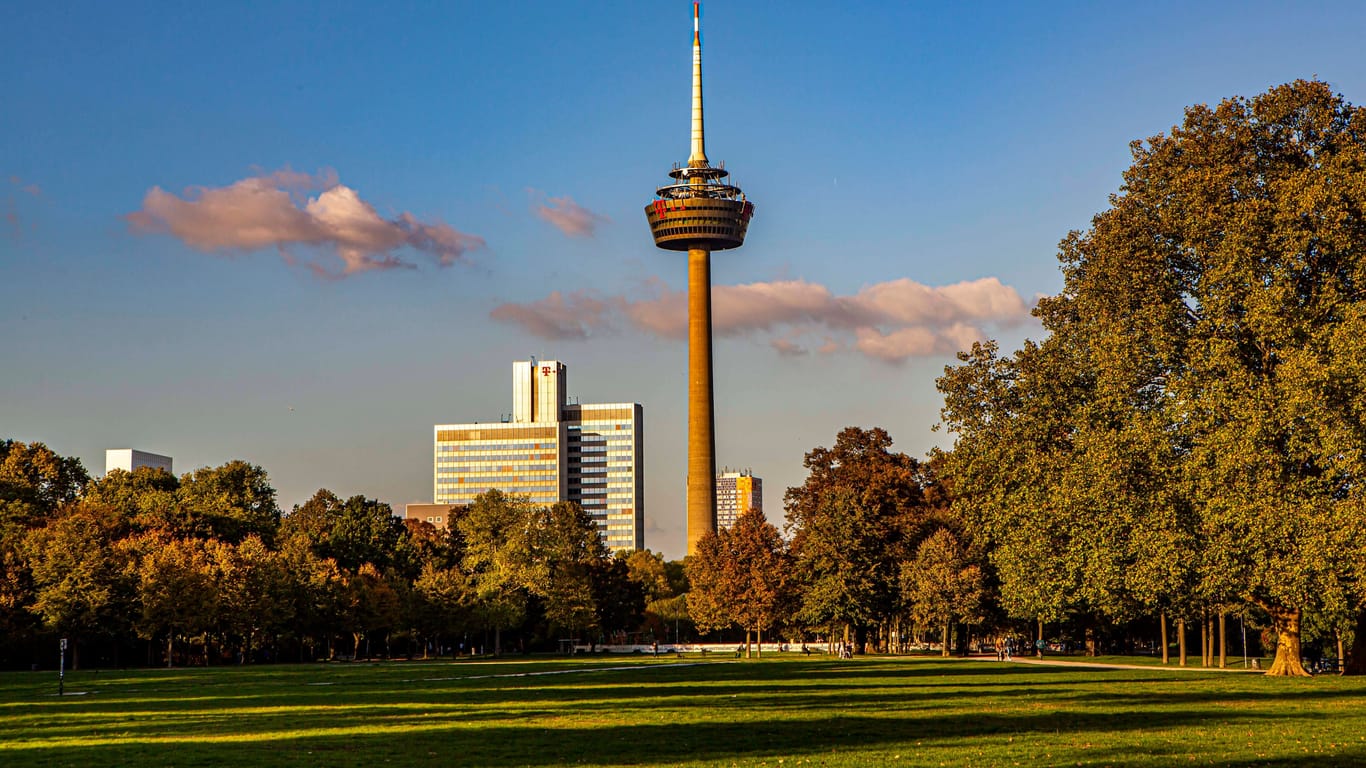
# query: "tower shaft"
{"type": "Point", "coordinates": [699, 213]}
{"type": "Point", "coordinates": [701, 403]}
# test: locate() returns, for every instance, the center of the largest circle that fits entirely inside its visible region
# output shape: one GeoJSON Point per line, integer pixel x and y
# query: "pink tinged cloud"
{"type": "Point", "coordinates": [890, 321]}
{"type": "Point", "coordinates": [557, 317]}
{"type": "Point", "coordinates": [261, 211]}
{"type": "Point", "coordinates": [569, 217]}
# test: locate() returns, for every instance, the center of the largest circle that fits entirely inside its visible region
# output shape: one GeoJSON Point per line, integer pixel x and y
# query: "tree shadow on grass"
{"type": "Point", "coordinates": [593, 737]}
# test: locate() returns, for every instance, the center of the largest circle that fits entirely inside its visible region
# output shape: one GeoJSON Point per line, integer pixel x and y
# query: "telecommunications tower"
{"type": "Point", "coordinates": [699, 213]}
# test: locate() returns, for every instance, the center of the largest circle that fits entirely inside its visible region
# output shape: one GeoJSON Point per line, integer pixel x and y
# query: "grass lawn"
{"type": "Point", "coordinates": [641, 711]}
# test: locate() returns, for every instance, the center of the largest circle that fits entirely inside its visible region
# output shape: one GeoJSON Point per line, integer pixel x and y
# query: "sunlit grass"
{"type": "Point", "coordinates": [646, 711]}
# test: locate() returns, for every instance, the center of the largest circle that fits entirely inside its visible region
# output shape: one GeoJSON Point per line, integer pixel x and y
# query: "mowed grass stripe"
{"type": "Point", "coordinates": [653, 712]}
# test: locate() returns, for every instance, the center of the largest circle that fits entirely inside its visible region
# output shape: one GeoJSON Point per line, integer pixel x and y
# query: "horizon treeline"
{"type": "Point", "coordinates": [143, 567]}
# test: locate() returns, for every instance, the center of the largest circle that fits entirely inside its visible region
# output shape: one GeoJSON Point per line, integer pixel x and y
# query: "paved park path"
{"type": "Point", "coordinates": [1046, 662]}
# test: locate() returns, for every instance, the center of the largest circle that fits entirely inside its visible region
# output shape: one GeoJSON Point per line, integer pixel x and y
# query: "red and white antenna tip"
{"type": "Point", "coordinates": [696, 13]}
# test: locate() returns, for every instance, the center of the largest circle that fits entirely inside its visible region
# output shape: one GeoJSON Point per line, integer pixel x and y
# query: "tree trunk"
{"type": "Point", "coordinates": [1223, 640]}
{"type": "Point", "coordinates": [1181, 640]}
{"type": "Point", "coordinates": [1166, 651]}
{"type": "Point", "coordinates": [1287, 662]}
{"type": "Point", "coordinates": [1204, 639]}
{"type": "Point", "coordinates": [1038, 647]}
{"type": "Point", "coordinates": [1356, 661]}
{"type": "Point", "coordinates": [759, 641]}
{"type": "Point", "coordinates": [170, 648]}
{"type": "Point", "coordinates": [1341, 656]}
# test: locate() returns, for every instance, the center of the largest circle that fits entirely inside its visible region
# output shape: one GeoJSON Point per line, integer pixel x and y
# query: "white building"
{"type": "Point", "coordinates": [551, 450]}
{"type": "Point", "coordinates": [128, 459]}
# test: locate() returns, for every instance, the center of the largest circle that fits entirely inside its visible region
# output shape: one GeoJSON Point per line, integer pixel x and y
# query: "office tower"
{"type": "Point", "coordinates": [128, 459]}
{"type": "Point", "coordinates": [549, 450]}
{"type": "Point", "coordinates": [736, 494]}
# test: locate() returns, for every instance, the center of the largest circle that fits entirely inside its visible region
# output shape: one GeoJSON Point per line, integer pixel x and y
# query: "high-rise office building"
{"type": "Point", "coordinates": [736, 494]}
{"type": "Point", "coordinates": [129, 459]}
{"type": "Point", "coordinates": [551, 450]}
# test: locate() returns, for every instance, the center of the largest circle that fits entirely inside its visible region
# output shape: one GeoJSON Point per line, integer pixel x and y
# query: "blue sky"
{"type": "Point", "coordinates": [894, 151]}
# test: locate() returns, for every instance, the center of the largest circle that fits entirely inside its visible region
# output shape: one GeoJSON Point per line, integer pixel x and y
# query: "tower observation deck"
{"type": "Point", "coordinates": [699, 213]}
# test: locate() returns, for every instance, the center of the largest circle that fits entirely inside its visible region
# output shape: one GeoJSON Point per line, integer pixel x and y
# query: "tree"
{"type": "Point", "coordinates": [253, 588]}
{"type": "Point", "coordinates": [176, 588]}
{"type": "Point", "coordinates": [1247, 221]}
{"type": "Point", "coordinates": [942, 586]}
{"type": "Point", "coordinates": [1201, 392]}
{"type": "Point", "coordinates": [858, 514]}
{"type": "Point", "coordinates": [142, 500]}
{"type": "Point", "coordinates": [618, 600]}
{"type": "Point", "coordinates": [565, 555]}
{"type": "Point", "coordinates": [647, 569]}
{"type": "Point", "coordinates": [446, 600]}
{"type": "Point", "coordinates": [739, 576]}
{"type": "Point", "coordinates": [495, 529]}
{"type": "Point", "coordinates": [78, 581]}
{"type": "Point", "coordinates": [34, 481]}
{"type": "Point", "coordinates": [229, 502]}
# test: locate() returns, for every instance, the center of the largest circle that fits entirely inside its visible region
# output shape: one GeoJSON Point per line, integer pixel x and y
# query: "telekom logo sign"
{"type": "Point", "coordinates": [545, 370]}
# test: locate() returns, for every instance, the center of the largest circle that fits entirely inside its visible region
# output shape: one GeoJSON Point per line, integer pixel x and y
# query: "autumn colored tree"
{"type": "Point", "coordinates": [740, 576]}
{"type": "Point", "coordinates": [80, 589]}
{"type": "Point", "coordinates": [34, 481]}
{"type": "Point", "coordinates": [253, 586]}
{"type": "Point", "coordinates": [857, 516]}
{"type": "Point", "coordinates": [176, 588]}
{"type": "Point", "coordinates": [142, 500]}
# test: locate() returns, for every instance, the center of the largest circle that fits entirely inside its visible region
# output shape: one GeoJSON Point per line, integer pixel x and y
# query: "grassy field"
{"type": "Point", "coordinates": [642, 711]}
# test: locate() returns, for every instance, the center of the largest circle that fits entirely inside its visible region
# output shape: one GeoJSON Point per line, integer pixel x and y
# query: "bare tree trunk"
{"type": "Point", "coordinates": [170, 648]}
{"type": "Point", "coordinates": [1223, 640]}
{"type": "Point", "coordinates": [1356, 662]}
{"type": "Point", "coordinates": [948, 638]}
{"type": "Point", "coordinates": [1204, 639]}
{"type": "Point", "coordinates": [1166, 652]}
{"type": "Point", "coordinates": [1039, 646]}
{"type": "Point", "coordinates": [1181, 640]}
{"type": "Point", "coordinates": [1342, 658]}
{"type": "Point", "coordinates": [759, 641]}
{"type": "Point", "coordinates": [1287, 662]}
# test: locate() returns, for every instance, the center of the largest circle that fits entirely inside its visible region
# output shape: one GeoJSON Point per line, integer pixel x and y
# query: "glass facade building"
{"type": "Point", "coordinates": [736, 493]}
{"type": "Point", "coordinates": [551, 450]}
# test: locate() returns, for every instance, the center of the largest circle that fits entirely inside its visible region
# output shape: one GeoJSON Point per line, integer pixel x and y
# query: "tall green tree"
{"type": "Point", "coordinates": [942, 585]}
{"type": "Point", "coordinates": [496, 530]}
{"type": "Point", "coordinates": [229, 502]}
